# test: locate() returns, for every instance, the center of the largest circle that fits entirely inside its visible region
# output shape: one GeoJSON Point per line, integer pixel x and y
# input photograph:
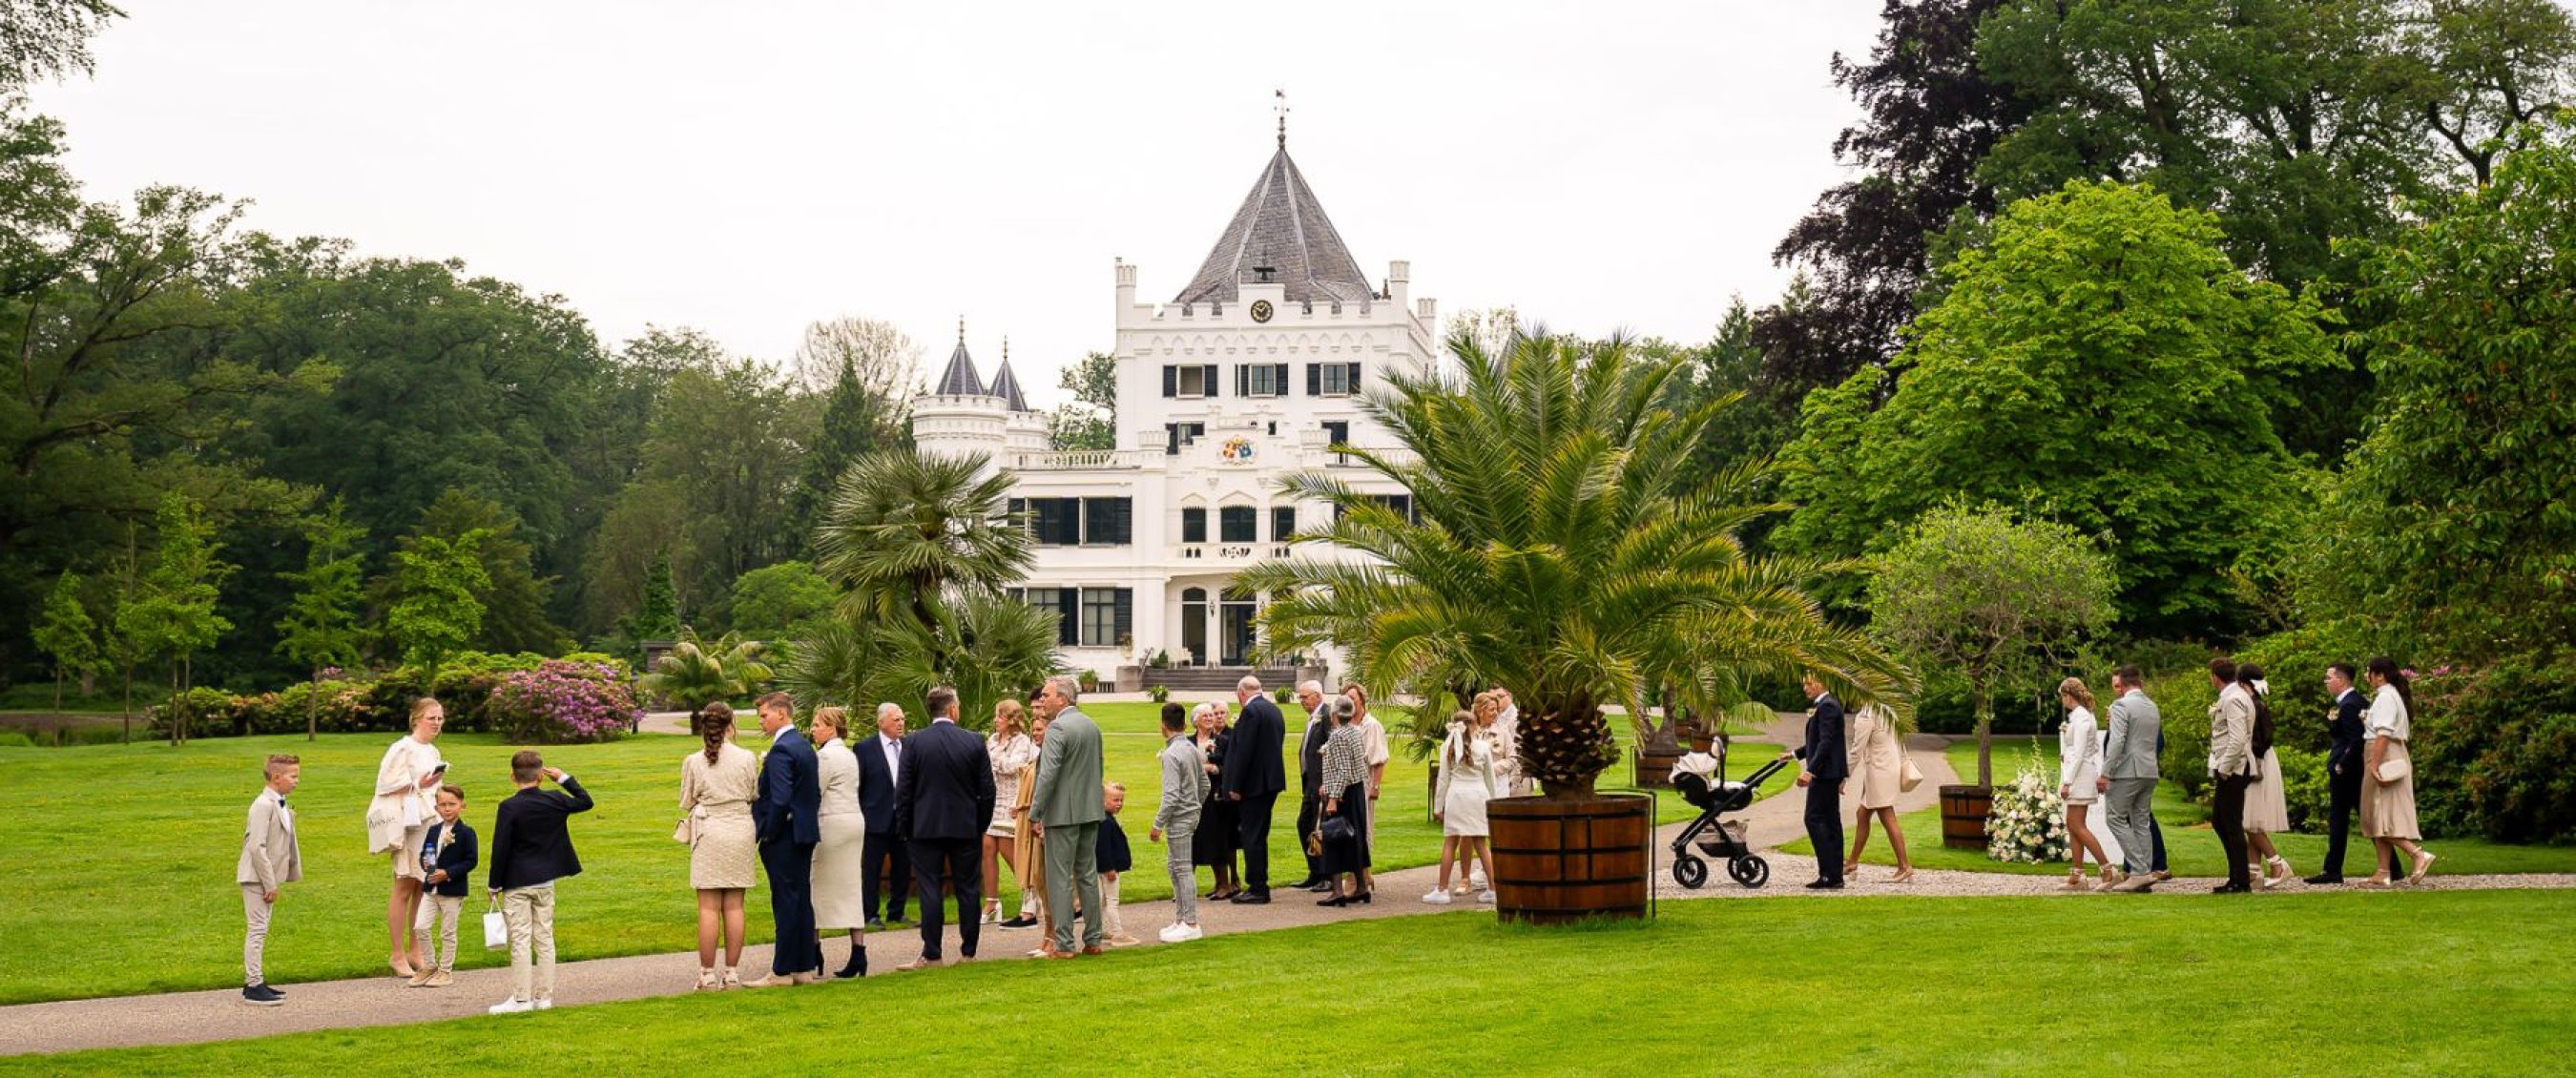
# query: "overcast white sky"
{"type": "Point", "coordinates": [747, 167]}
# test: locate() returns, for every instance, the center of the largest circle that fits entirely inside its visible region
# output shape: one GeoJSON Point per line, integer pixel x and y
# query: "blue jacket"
{"type": "Point", "coordinates": [458, 857]}
{"type": "Point", "coordinates": [791, 793]}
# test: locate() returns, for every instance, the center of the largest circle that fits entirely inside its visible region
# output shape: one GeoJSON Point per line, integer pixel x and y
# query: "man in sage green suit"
{"type": "Point", "coordinates": [1066, 811]}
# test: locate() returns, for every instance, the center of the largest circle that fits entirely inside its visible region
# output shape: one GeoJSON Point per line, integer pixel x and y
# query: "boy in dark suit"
{"type": "Point", "coordinates": [786, 819]}
{"type": "Point", "coordinates": [448, 855]}
{"type": "Point", "coordinates": [531, 849]}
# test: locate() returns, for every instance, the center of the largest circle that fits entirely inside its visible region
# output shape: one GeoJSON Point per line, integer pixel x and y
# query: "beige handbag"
{"type": "Point", "coordinates": [2394, 770]}
{"type": "Point", "coordinates": [686, 833]}
{"type": "Point", "coordinates": [1909, 778]}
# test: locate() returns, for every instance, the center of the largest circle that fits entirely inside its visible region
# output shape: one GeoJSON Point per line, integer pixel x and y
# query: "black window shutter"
{"type": "Point", "coordinates": [1355, 378]}
{"type": "Point", "coordinates": [1171, 380]}
{"type": "Point", "coordinates": [1283, 522]}
{"type": "Point", "coordinates": [1068, 615]}
{"type": "Point", "coordinates": [1314, 379]}
{"type": "Point", "coordinates": [1279, 387]}
{"type": "Point", "coordinates": [1126, 614]}
{"type": "Point", "coordinates": [1211, 381]}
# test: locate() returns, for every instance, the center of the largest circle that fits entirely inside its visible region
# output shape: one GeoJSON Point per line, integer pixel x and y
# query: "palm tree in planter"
{"type": "Point", "coordinates": [695, 672]}
{"type": "Point", "coordinates": [1560, 550]}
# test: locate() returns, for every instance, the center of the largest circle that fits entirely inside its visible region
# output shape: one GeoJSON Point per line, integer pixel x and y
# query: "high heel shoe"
{"type": "Point", "coordinates": [2423, 864]}
{"type": "Point", "coordinates": [1335, 901]}
{"type": "Point", "coordinates": [857, 967]}
{"type": "Point", "coordinates": [1363, 897]}
{"type": "Point", "coordinates": [1902, 875]}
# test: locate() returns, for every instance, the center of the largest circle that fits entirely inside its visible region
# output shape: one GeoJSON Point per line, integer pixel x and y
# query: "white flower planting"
{"type": "Point", "coordinates": [2027, 822]}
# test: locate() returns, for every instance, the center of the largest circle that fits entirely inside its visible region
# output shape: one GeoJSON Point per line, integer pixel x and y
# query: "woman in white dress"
{"type": "Point", "coordinates": [406, 800]}
{"type": "Point", "coordinates": [716, 790]}
{"type": "Point", "coordinates": [2079, 769]}
{"type": "Point", "coordinates": [2388, 774]}
{"type": "Point", "coordinates": [2267, 800]}
{"type": "Point", "coordinates": [1010, 750]}
{"type": "Point", "coordinates": [837, 861]}
{"type": "Point", "coordinates": [1467, 781]}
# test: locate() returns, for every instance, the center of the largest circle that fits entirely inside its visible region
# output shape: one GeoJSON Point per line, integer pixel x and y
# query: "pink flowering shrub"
{"type": "Point", "coordinates": [561, 702]}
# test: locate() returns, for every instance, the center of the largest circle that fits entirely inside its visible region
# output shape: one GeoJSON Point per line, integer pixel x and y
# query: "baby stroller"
{"type": "Point", "coordinates": [1699, 778]}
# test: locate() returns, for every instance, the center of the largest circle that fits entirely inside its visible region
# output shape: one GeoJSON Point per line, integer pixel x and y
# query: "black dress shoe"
{"type": "Point", "coordinates": [2322, 879]}
{"type": "Point", "coordinates": [1309, 883]}
{"type": "Point", "coordinates": [2230, 889]}
{"type": "Point", "coordinates": [1825, 885]}
{"type": "Point", "coordinates": [1319, 886]}
{"type": "Point", "coordinates": [1251, 898]}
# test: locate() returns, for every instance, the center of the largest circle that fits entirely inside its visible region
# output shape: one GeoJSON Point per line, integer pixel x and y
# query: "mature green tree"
{"type": "Point", "coordinates": [695, 672]}
{"type": "Point", "coordinates": [48, 39]}
{"type": "Point", "coordinates": [1989, 596]}
{"type": "Point", "coordinates": [2450, 527]}
{"type": "Point", "coordinates": [174, 614]}
{"type": "Point", "coordinates": [866, 371]}
{"type": "Point", "coordinates": [435, 611]}
{"type": "Point", "coordinates": [783, 601]}
{"type": "Point", "coordinates": [67, 634]}
{"type": "Point", "coordinates": [513, 598]}
{"type": "Point", "coordinates": [1090, 419]}
{"type": "Point", "coordinates": [2098, 362]}
{"type": "Point", "coordinates": [1931, 115]}
{"type": "Point", "coordinates": [320, 627]}
{"type": "Point", "coordinates": [1557, 550]}
{"type": "Point", "coordinates": [1726, 368]}
{"type": "Point", "coordinates": [659, 617]}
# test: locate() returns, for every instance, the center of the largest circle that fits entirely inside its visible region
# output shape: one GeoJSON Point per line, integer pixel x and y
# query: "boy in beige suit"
{"type": "Point", "coordinates": [269, 861]}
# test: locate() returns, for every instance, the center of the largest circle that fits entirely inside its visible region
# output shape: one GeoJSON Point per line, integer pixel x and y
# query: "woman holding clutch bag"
{"type": "Point", "coordinates": [716, 790]}
{"type": "Point", "coordinates": [2388, 774]}
{"type": "Point", "coordinates": [1345, 789]}
{"type": "Point", "coordinates": [406, 800]}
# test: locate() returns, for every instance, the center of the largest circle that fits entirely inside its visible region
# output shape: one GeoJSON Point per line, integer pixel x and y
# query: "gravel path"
{"type": "Point", "coordinates": [193, 1017]}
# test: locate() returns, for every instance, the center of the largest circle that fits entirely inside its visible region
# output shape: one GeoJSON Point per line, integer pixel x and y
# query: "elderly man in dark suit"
{"type": "Point", "coordinates": [784, 819]}
{"type": "Point", "coordinates": [885, 866]}
{"type": "Point", "coordinates": [943, 802]}
{"type": "Point", "coordinates": [1252, 778]}
{"type": "Point", "coordinates": [1822, 778]}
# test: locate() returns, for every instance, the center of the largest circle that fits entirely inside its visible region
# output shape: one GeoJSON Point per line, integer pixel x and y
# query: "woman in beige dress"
{"type": "Point", "coordinates": [406, 801]}
{"type": "Point", "coordinates": [1010, 750]}
{"type": "Point", "coordinates": [2388, 775]}
{"type": "Point", "coordinates": [1876, 765]}
{"type": "Point", "coordinates": [838, 866]}
{"type": "Point", "coordinates": [1031, 846]}
{"type": "Point", "coordinates": [716, 791]}
{"type": "Point", "coordinates": [2267, 800]}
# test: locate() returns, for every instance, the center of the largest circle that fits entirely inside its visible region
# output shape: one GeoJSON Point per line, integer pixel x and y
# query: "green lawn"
{"type": "Point", "coordinates": [2190, 847]}
{"type": "Point", "coordinates": [2177, 984]}
{"type": "Point", "coordinates": [151, 833]}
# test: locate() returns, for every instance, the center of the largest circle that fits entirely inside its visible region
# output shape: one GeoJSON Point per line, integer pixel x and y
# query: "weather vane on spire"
{"type": "Point", "coordinates": [961, 329]}
{"type": "Point", "coordinates": [1279, 104]}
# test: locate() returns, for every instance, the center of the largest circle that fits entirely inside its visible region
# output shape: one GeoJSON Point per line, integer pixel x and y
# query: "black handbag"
{"type": "Point", "coordinates": [1336, 830]}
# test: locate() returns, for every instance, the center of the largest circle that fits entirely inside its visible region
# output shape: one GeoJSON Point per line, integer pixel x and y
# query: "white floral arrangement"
{"type": "Point", "coordinates": [2027, 821]}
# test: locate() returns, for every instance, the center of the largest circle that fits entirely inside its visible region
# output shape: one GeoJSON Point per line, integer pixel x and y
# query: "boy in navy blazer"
{"type": "Point", "coordinates": [448, 855]}
{"type": "Point", "coordinates": [531, 849]}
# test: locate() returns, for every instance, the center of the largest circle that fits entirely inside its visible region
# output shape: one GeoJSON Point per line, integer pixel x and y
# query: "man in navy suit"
{"type": "Point", "coordinates": [1822, 777]}
{"type": "Point", "coordinates": [1252, 778]}
{"type": "Point", "coordinates": [884, 864]}
{"type": "Point", "coordinates": [943, 803]}
{"type": "Point", "coordinates": [2343, 771]}
{"type": "Point", "coordinates": [791, 792]}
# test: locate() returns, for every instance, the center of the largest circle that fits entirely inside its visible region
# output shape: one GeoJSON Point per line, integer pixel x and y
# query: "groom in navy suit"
{"type": "Point", "coordinates": [1823, 778]}
{"type": "Point", "coordinates": [791, 790]}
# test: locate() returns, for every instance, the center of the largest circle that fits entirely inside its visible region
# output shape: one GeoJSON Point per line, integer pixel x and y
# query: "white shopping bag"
{"type": "Point", "coordinates": [496, 930]}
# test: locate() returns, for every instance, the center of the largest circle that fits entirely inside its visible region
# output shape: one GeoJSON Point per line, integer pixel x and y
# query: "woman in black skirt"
{"type": "Point", "coordinates": [1214, 843]}
{"type": "Point", "coordinates": [1345, 789]}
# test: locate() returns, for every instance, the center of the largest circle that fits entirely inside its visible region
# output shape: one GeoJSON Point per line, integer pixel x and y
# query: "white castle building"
{"type": "Point", "coordinates": [1252, 371]}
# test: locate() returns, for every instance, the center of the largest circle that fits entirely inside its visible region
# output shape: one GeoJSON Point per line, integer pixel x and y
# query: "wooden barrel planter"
{"type": "Point", "coordinates": [1963, 816]}
{"type": "Point", "coordinates": [1560, 861]}
{"type": "Point", "coordinates": [1655, 767]}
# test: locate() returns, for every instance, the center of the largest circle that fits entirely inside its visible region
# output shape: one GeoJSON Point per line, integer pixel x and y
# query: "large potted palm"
{"type": "Point", "coordinates": [1562, 550]}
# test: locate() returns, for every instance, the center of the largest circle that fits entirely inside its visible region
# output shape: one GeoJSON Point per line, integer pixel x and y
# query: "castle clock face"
{"type": "Point", "coordinates": [1261, 310]}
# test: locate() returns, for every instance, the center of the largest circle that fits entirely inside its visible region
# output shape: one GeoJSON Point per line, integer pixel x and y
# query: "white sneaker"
{"type": "Point", "coordinates": [1485, 896]}
{"type": "Point", "coordinates": [512, 1005]}
{"type": "Point", "coordinates": [1179, 933]}
{"type": "Point", "coordinates": [545, 1004]}
{"type": "Point", "coordinates": [1437, 898]}
{"type": "Point", "coordinates": [1476, 880]}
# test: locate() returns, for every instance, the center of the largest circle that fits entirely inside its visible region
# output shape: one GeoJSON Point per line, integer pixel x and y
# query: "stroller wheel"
{"type": "Point", "coordinates": [1748, 870]}
{"type": "Point", "coordinates": [1691, 872]}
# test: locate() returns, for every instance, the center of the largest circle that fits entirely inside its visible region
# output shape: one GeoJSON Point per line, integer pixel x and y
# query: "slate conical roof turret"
{"type": "Point", "coordinates": [1282, 227]}
{"type": "Point", "coordinates": [1007, 385]}
{"type": "Point", "coordinates": [959, 380]}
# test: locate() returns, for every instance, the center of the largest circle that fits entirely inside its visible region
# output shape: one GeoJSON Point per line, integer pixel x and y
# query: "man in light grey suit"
{"type": "Point", "coordinates": [1066, 811]}
{"type": "Point", "coordinates": [2129, 774]}
{"type": "Point", "coordinates": [270, 859]}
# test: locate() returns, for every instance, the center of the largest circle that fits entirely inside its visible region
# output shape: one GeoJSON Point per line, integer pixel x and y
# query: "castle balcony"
{"type": "Point", "coordinates": [1086, 460]}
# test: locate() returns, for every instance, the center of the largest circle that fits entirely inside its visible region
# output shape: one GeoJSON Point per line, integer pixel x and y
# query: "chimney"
{"type": "Point", "coordinates": [1399, 282]}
